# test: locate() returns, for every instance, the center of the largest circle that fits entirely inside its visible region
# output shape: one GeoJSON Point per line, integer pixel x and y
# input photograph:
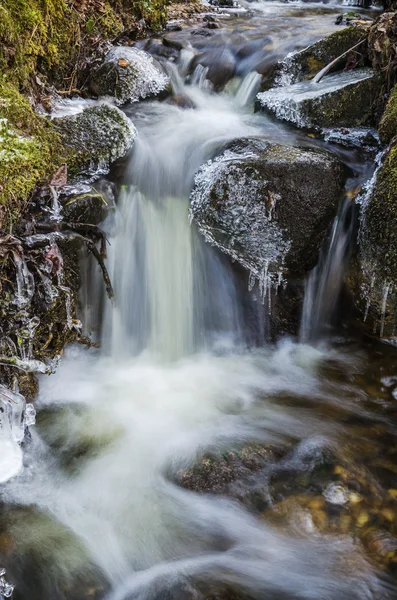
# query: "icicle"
{"type": "Point", "coordinates": [6, 589]}
{"type": "Point", "coordinates": [56, 208]}
{"type": "Point", "coordinates": [251, 281]}
{"type": "Point", "coordinates": [386, 290]}
{"type": "Point", "coordinates": [68, 306]}
{"type": "Point", "coordinates": [25, 338]}
{"type": "Point", "coordinates": [25, 282]}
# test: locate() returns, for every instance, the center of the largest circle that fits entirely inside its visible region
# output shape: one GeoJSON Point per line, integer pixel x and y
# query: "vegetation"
{"type": "Point", "coordinates": [43, 43]}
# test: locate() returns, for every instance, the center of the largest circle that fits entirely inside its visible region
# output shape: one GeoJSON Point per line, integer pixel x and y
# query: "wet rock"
{"type": "Point", "coordinates": [338, 100]}
{"type": "Point", "coordinates": [305, 64]}
{"type": "Point", "coordinates": [388, 124]}
{"type": "Point", "coordinates": [95, 138]}
{"type": "Point", "coordinates": [373, 277]}
{"type": "Point", "coordinates": [238, 474]}
{"type": "Point", "coordinates": [267, 206]}
{"type": "Point", "coordinates": [156, 48]}
{"type": "Point", "coordinates": [128, 74]}
{"type": "Point", "coordinates": [221, 65]}
{"type": "Point", "coordinates": [174, 43]}
{"type": "Point", "coordinates": [85, 203]}
{"type": "Point", "coordinates": [182, 101]}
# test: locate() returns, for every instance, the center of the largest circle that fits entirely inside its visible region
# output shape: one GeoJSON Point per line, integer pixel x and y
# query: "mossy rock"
{"type": "Point", "coordinates": [306, 63]}
{"type": "Point", "coordinates": [128, 75]}
{"type": "Point", "coordinates": [388, 124]}
{"type": "Point", "coordinates": [95, 138]}
{"type": "Point", "coordinates": [31, 151]}
{"type": "Point", "coordinates": [338, 100]}
{"type": "Point", "coordinates": [374, 278]}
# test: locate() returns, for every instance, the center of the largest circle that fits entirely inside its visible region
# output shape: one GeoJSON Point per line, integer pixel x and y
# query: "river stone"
{"type": "Point", "coordinates": [306, 63]}
{"type": "Point", "coordinates": [95, 138]}
{"type": "Point", "coordinates": [339, 100]}
{"type": "Point", "coordinates": [129, 75]}
{"type": "Point", "coordinates": [267, 206]}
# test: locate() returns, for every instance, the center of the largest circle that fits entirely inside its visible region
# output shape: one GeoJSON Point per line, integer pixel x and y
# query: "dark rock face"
{"type": "Point", "coordinates": [129, 75]}
{"type": "Point", "coordinates": [95, 138]}
{"type": "Point", "coordinates": [267, 206]}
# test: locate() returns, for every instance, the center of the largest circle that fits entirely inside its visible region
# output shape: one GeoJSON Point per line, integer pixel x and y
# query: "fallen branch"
{"type": "Point", "coordinates": [327, 68]}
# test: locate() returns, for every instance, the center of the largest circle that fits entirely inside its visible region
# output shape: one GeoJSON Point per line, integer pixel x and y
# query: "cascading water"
{"type": "Point", "coordinates": [325, 281]}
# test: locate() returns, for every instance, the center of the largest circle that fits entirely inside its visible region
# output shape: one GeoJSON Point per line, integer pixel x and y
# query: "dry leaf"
{"type": "Point", "coordinates": [123, 62]}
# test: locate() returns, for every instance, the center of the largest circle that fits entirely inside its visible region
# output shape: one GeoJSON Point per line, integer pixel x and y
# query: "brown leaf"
{"type": "Point", "coordinates": [123, 62]}
{"type": "Point", "coordinates": [60, 177]}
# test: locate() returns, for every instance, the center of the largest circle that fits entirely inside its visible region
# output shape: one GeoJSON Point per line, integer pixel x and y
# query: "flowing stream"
{"type": "Point", "coordinates": [104, 508]}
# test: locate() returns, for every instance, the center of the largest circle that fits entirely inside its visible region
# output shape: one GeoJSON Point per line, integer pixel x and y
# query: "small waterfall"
{"type": "Point", "coordinates": [172, 295]}
{"type": "Point", "coordinates": [325, 281]}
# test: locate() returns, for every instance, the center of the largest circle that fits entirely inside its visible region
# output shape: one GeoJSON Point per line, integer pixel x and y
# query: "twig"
{"type": "Point", "coordinates": [325, 70]}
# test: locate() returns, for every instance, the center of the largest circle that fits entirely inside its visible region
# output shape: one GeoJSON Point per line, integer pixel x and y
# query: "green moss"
{"type": "Point", "coordinates": [30, 152]}
{"type": "Point", "coordinates": [382, 218]}
{"type": "Point", "coordinates": [318, 55]}
{"type": "Point", "coordinates": [388, 123]}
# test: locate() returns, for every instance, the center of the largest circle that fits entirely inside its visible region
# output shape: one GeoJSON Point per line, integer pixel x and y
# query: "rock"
{"type": "Point", "coordinates": [305, 64]}
{"type": "Point", "coordinates": [388, 124]}
{"type": "Point", "coordinates": [373, 278]}
{"type": "Point", "coordinates": [128, 74]}
{"type": "Point", "coordinates": [173, 42]}
{"type": "Point", "coordinates": [339, 100]}
{"type": "Point", "coordinates": [267, 206]}
{"type": "Point", "coordinates": [221, 65]}
{"type": "Point", "coordinates": [85, 203]}
{"type": "Point", "coordinates": [95, 138]}
{"type": "Point", "coordinates": [182, 101]}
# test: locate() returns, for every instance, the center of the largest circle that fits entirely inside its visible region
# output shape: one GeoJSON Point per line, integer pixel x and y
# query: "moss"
{"type": "Point", "coordinates": [30, 152]}
{"type": "Point", "coordinates": [388, 123]}
{"type": "Point", "coordinates": [350, 106]}
{"type": "Point", "coordinates": [382, 218]}
{"type": "Point", "coordinates": [321, 53]}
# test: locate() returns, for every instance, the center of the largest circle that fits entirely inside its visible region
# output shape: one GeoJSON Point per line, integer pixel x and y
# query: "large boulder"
{"type": "Point", "coordinates": [94, 138]}
{"type": "Point", "coordinates": [339, 100]}
{"type": "Point", "coordinates": [267, 206]}
{"type": "Point", "coordinates": [128, 75]}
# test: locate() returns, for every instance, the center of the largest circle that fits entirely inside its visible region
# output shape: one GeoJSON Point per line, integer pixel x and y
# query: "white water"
{"type": "Point", "coordinates": [324, 284]}
{"type": "Point", "coordinates": [173, 381]}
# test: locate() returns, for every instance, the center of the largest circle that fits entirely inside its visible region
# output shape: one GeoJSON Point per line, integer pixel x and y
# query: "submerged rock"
{"type": "Point", "coordinates": [220, 65]}
{"type": "Point", "coordinates": [129, 75]}
{"type": "Point", "coordinates": [95, 138]}
{"type": "Point", "coordinates": [267, 206]}
{"type": "Point", "coordinates": [338, 100]}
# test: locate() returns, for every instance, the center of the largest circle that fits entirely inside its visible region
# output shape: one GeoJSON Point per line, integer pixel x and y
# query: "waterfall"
{"type": "Point", "coordinates": [162, 271]}
{"type": "Point", "coordinates": [324, 284]}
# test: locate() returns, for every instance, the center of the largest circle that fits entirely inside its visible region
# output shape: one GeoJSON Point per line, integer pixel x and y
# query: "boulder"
{"type": "Point", "coordinates": [267, 206]}
{"type": "Point", "coordinates": [129, 75]}
{"type": "Point", "coordinates": [94, 138]}
{"type": "Point", "coordinates": [306, 63]}
{"type": "Point", "coordinates": [339, 100]}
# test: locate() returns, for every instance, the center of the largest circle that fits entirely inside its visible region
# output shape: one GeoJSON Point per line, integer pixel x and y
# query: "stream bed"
{"type": "Point", "coordinates": [190, 457]}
